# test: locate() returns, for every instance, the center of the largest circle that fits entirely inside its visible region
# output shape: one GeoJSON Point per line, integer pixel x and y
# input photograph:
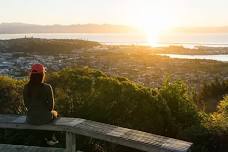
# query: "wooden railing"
{"type": "Point", "coordinates": [114, 134]}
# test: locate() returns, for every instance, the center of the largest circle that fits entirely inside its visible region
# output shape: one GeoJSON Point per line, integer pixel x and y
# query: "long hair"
{"type": "Point", "coordinates": [36, 79]}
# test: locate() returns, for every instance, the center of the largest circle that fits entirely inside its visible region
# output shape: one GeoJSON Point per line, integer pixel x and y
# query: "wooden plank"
{"type": "Point", "coordinates": [19, 122]}
{"type": "Point", "coordinates": [22, 148]}
{"type": "Point", "coordinates": [119, 135]}
{"type": "Point", "coordinates": [131, 138]}
{"type": "Point", "coordinates": [70, 142]}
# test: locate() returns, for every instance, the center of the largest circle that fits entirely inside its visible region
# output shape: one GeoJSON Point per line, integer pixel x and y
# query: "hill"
{"type": "Point", "coordinates": [21, 28]}
{"type": "Point", "coordinates": [205, 29]}
{"type": "Point", "coordinates": [91, 94]}
{"type": "Point", "coordinates": [17, 28]}
{"type": "Point", "coordinates": [40, 46]}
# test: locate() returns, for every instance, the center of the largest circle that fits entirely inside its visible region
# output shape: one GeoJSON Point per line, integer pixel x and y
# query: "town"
{"type": "Point", "coordinates": [137, 63]}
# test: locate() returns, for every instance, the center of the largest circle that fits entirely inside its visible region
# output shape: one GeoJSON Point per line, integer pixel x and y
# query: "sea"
{"type": "Point", "coordinates": [188, 40]}
{"type": "Point", "coordinates": [219, 57]}
{"type": "Point", "coordinates": [185, 39]}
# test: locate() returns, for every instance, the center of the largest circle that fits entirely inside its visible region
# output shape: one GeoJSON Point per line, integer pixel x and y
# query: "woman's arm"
{"type": "Point", "coordinates": [25, 97]}
{"type": "Point", "coordinates": [50, 100]}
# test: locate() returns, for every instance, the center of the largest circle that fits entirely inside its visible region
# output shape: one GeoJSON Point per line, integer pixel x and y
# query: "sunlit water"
{"type": "Point", "coordinates": [223, 58]}
{"type": "Point", "coordinates": [185, 39]}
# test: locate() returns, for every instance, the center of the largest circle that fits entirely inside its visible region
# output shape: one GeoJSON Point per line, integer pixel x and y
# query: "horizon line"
{"type": "Point", "coordinates": [112, 24]}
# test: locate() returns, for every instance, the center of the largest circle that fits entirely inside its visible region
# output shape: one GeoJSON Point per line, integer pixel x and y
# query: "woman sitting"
{"type": "Point", "coordinates": [38, 98]}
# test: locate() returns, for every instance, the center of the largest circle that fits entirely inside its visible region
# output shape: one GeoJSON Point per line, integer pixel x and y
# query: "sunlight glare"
{"type": "Point", "coordinates": [152, 20]}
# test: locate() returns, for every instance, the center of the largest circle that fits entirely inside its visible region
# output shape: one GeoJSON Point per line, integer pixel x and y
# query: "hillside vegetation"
{"type": "Point", "coordinates": [41, 46]}
{"type": "Point", "coordinates": [87, 93]}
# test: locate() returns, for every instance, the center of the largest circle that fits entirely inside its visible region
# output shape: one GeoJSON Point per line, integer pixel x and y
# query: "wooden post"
{"type": "Point", "coordinates": [70, 142]}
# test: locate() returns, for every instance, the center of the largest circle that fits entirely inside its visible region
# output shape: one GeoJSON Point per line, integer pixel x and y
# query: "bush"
{"type": "Point", "coordinates": [11, 96]}
{"type": "Point", "coordinates": [91, 94]}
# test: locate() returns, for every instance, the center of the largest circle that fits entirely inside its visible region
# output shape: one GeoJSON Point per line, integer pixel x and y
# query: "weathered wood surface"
{"type": "Point", "coordinates": [70, 142]}
{"type": "Point", "coordinates": [22, 148]}
{"type": "Point", "coordinates": [123, 136]}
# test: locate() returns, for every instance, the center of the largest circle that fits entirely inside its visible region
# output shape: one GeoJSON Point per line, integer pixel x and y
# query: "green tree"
{"type": "Point", "coordinates": [11, 96]}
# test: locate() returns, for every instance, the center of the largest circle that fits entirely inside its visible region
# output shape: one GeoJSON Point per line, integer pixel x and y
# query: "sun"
{"type": "Point", "coordinates": [153, 18]}
{"type": "Point", "coordinates": [152, 32]}
{"type": "Point", "coordinates": [154, 29]}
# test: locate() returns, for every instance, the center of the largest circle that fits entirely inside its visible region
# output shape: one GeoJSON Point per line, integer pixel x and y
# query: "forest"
{"type": "Point", "coordinates": [172, 110]}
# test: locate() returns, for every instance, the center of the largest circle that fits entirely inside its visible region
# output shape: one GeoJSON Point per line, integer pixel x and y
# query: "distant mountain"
{"type": "Point", "coordinates": [215, 29]}
{"type": "Point", "coordinates": [17, 28]}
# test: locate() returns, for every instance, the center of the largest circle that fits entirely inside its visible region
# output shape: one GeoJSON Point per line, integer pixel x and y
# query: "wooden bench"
{"type": "Point", "coordinates": [22, 148]}
{"type": "Point", "coordinates": [114, 134]}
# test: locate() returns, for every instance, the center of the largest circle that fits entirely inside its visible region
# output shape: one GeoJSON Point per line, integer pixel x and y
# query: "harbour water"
{"type": "Point", "coordinates": [184, 39]}
{"type": "Point", "coordinates": [223, 58]}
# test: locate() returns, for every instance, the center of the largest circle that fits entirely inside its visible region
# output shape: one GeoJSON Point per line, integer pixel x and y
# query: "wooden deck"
{"type": "Point", "coordinates": [22, 148]}
{"type": "Point", "coordinates": [114, 134]}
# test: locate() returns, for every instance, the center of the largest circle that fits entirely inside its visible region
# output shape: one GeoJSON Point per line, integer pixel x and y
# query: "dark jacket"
{"type": "Point", "coordinates": [39, 102]}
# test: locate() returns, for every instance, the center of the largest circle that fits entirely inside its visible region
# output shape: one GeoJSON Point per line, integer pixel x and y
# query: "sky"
{"type": "Point", "coordinates": [139, 13]}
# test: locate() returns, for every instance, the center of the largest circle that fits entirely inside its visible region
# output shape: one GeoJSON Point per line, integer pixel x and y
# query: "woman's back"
{"type": "Point", "coordinates": [39, 101]}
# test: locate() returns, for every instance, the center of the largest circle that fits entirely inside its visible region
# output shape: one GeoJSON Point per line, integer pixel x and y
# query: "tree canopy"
{"type": "Point", "coordinates": [91, 94]}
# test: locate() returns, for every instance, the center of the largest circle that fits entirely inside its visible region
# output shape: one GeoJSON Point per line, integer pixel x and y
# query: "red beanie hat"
{"type": "Point", "coordinates": [38, 68]}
